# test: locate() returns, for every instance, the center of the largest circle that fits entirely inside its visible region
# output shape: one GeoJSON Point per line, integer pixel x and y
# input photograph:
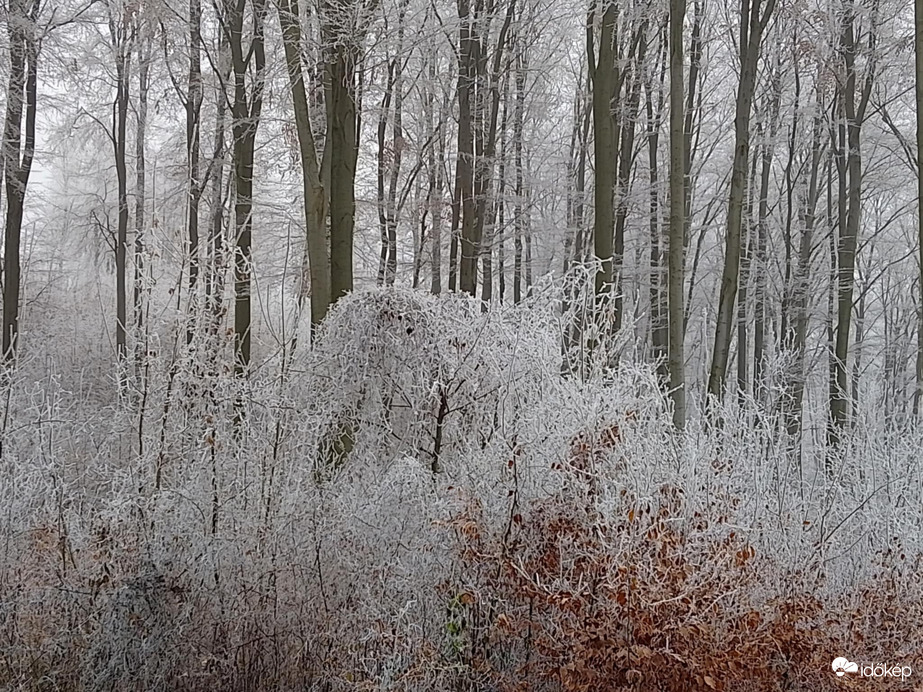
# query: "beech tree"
{"type": "Point", "coordinates": [676, 261]}
{"type": "Point", "coordinates": [18, 153]}
{"type": "Point", "coordinates": [754, 18]}
{"type": "Point", "coordinates": [248, 60]}
{"type": "Point", "coordinates": [853, 101]}
{"type": "Point", "coordinates": [478, 109]}
{"type": "Point", "coordinates": [918, 82]}
{"type": "Point", "coordinates": [317, 259]}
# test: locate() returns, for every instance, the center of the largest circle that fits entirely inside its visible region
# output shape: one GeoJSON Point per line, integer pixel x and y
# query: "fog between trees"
{"type": "Point", "coordinates": [488, 345]}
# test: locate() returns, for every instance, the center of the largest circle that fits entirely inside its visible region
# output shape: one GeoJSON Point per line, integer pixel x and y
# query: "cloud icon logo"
{"type": "Point", "coordinates": [841, 666]}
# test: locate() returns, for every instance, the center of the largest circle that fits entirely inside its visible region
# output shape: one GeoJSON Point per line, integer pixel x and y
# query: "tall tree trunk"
{"type": "Point", "coordinates": [397, 148]}
{"type": "Point", "coordinates": [692, 116]}
{"type": "Point", "coordinates": [848, 232]}
{"type": "Point", "coordinates": [659, 320]}
{"type": "Point", "coordinates": [384, 163]}
{"type": "Point", "coordinates": [246, 110]}
{"type": "Point", "coordinates": [193, 139]}
{"type": "Point", "coordinates": [760, 267]}
{"type": "Point", "coordinates": [498, 216]}
{"type": "Point", "coordinates": [605, 77]}
{"type": "Point", "coordinates": [576, 210]}
{"type": "Point", "coordinates": [342, 96]}
{"type": "Point", "coordinates": [918, 47]}
{"type": "Point", "coordinates": [316, 262]}
{"type": "Point", "coordinates": [436, 165]}
{"type": "Point", "coordinates": [122, 34]}
{"type": "Point", "coordinates": [214, 284]}
{"type": "Point", "coordinates": [856, 378]}
{"type": "Point", "coordinates": [746, 252]}
{"type": "Point", "coordinates": [464, 180]}
{"type": "Point", "coordinates": [676, 256]}
{"type": "Point", "coordinates": [18, 150]}
{"type": "Point", "coordinates": [623, 181]}
{"type": "Point", "coordinates": [519, 189]}
{"type": "Point", "coordinates": [479, 106]}
{"type": "Point", "coordinates": [802, 281]}
{"type": "Point", "coordinates": [140, 198]}
{"type": "Point", "coordinates": [751, 32]}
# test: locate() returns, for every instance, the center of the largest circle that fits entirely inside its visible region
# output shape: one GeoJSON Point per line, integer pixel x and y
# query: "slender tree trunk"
{"type": "Point", "coordinates": [316, 261]}
{"type": "Point", "coordinates": [856, 378]}
{"type": "Point", "coordinates": [692, 116]}
{"type": "Point", "coordinates": [436, 164]}
{"type": "Point", "coordinates": [802, 281]}
{"type": "Point", "coordinates": [18, 150]}
{"type": "Point", "coordinates": [751, 31]}
{"type": "Point", "coordinates": [918, 47]}
{"type": "Point", "coordinates": [246, 111]}
{"type": "Point", "coordinates": [214, 285]}
{"type": "Point", "coordinates": [743, 343]}
{"type": "Point", "coordinates": [623, 181]}
{"type": "Point", "coordinates": [761, 266]}
{"type": "Point", "coordinates": [464, 178]}
{"type": "Point", "coordinates": [519, 189]}
{"type": "Point", "coordinates": [849, 232]}
{"type": "Point", "coordinates": [397, 147]}
{"type": "Point", "coordinates": [605, 77]}
{"type": "Point", "coordinates": [676, 256]}
{"type": "Point", "coordinates": [498, 236]}
{"type": "Point", "coordinates": [342, 37]}
{"type": "Point", "coordinates": [659, 319]}
{"type": "Point", "coordinates": [122, 34]}
{"type": "Point", "coordinates": [140, 200]}
{"type": "Point", "coordinates": [384, 163]}
{"type": "Point", "coordinates": [575, 240]}
{"type": "Point", "coordinates": [193, 139]}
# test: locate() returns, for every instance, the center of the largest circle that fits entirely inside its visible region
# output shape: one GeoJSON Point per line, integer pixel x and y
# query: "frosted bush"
{"type": "Point", "coordinates": [424, 501]}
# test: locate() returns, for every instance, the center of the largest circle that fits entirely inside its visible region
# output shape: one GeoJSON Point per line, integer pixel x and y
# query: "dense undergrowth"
{"type": "Point", "coordinates": [422, 501]}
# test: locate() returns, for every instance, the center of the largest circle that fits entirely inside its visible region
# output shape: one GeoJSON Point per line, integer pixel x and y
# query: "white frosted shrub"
{"type": "Point", "coordinates": [377, 518]}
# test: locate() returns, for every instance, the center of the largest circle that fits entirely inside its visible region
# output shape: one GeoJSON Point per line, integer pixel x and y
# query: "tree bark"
{"type": "Point", "coordinates": [18, 151]}
{"type": "Point", "coordinates": [519, 189]}
{"type": "Point", "coordinates": [918, 48]}
{"type": "Point", "coordinates": [760, 267]}
{"type": "Point", "coordinates": [140, 198]}
{"type": "Point", "coordinates": [605, 77]}
{"type": "Point", "coordinates": [659, 316]}
{"type": "Point", "coordinates": [193, 139]}
{"type": "Point", "coordinates": [122, 35]}
{"type": "Point", "coordinates": [802, 282]}
{"type": "Point", "coordinates": [342, 38]}
{"type": "Point", "coordinates": [752, 25]}
{"type": "Point", "coordinates": [479, 105]}
{"type": "Point", "coordinates": [316, 262]}
{"type": "Point", "coordinates": [246, 111]}
{"type": "Point", "coordinates": [676, 256]}
{"type": "Point", "coordinates": [849, 231]}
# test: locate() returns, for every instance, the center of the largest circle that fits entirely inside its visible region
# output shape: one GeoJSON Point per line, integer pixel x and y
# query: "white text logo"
{"type": "Point", "coordinates": [842, 666]}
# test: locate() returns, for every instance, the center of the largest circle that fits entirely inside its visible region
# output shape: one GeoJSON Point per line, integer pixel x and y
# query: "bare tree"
{"type": "Point", "coordinates": [122, 33]}
{"type": "Point", "coordinates": [18, 151]}
{"type": "Point", "coordinates": [754, 18]}
{"type": "Point", "coordinates": [918, 48]}
{"type": "Point", "coordinates": [246, 109]}
{"type": "Point", "coordinates": [855, 99]}
{"type": "Point", "coordinates": [676, 256]}
{"type": "Point", "coordinates": [316, 264]}
{"type": "Point", "coordinates": [344, 27]}
{"type": "Point", "coordinates": [479, 103]}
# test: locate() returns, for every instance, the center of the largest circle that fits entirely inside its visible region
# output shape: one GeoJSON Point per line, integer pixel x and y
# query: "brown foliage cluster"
{"type": "Point", "coordinates": [649, 594]}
